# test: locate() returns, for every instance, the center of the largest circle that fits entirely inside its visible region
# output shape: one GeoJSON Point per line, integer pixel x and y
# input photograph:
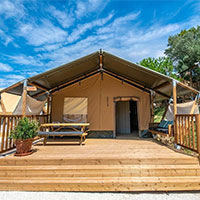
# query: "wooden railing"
{"type": "Point", "coordinates": [187, 131]}
{"type": "Point", "coordinates": [8, 123]}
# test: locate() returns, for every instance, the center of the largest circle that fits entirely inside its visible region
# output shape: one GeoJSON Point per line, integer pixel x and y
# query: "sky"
{"type": "Point", "coordinates": [37, 35]}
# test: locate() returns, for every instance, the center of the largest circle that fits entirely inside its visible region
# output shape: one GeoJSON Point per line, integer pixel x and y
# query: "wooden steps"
{"type": "Point", "coordinates": [101, 161]}
{"type": "Point", "coordinates": [92, 168]}
{"type": "Point", "coordinates": [16, 172]}
{"type": "Point", "coordinates": [106, 184]}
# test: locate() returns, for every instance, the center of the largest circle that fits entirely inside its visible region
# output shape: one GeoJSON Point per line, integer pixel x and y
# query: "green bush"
{"type": "Point", "coordinates": [25, 129]}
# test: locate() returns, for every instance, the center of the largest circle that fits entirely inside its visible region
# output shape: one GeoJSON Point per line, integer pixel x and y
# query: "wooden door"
{"type": "Point", "coordinates": [123, 126]}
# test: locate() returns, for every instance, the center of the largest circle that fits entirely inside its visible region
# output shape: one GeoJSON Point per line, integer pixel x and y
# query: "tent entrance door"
{"type": "Point", "coordinates": [123, 126]}
{"type": "Point", "coordinates": [126, 117]}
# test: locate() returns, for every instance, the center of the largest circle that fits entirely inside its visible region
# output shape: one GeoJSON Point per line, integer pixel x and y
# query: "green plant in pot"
{"type": "Point", "coordinates": [24, 134]}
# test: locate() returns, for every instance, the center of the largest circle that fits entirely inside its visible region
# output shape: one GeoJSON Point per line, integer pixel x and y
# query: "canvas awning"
{"type": "Point", "coordinates": [139, 76]}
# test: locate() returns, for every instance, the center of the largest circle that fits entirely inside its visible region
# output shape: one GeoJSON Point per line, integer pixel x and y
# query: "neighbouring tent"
{"type": "Point", "coordinates": [10, 101]}
{"type": "Point", "coordinates": [33, 106]}
{"type": "Point", "coordinates": [182, 108]}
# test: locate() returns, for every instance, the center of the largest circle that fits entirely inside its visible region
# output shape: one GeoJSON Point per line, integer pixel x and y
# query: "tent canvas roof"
{"type": "Point", "coordinates": [79, 69]}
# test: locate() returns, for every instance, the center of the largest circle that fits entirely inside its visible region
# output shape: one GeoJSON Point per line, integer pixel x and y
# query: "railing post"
{"type": "Point", "coordinates": [198, 132]}
{"type": "Point", "coordinates": [175, 109]}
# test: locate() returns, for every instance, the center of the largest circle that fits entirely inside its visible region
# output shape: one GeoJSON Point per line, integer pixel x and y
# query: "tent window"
{"type": "Point", "coordinates": [75, 110]}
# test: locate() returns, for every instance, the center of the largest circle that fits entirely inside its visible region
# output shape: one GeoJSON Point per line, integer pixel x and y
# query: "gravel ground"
{"type": "Point", "coordinates": [97, 196]}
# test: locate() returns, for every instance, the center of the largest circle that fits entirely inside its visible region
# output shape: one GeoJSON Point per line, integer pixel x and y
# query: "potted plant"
{"type": "Point", "coordinates": [24, 134]}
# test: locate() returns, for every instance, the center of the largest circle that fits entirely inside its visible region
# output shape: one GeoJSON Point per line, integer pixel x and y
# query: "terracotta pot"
{"type": "Point", "coordinates": [24, 146]}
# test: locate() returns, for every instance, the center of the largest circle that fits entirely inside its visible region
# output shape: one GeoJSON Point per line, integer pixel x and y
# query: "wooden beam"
{"type": "Point", "coordinates": [37, 85]}
{"type": "Point", "coordinates": [162, 94]}
{"type": "Point", "coordinates": [11, 87]}
{"type": "Point", "coordinates": [101, 61]}
{"type": "Point", "coordinates": [188, 87]}
{"type": "Point", "coordinates": [161, 85]}
{"type": "Point", "coordinates": [24, 96]}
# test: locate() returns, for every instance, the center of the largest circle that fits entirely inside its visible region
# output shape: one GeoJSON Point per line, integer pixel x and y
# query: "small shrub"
{"type": "Point", "coordinates": [25, 129]}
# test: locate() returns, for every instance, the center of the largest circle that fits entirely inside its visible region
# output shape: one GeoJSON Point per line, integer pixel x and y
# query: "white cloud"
{"type": "Point", "coordinates": [16, 77]}
{"type": "Point", "coordinates": [64, 18]}
{"type": "Point", "coordinates": [5, 67]}
{"type": "Point", "coordinates": [4, 38]}
{"type": "Point", "coordinates": [49, 48]}
{"type": "Point", "coordinates": [26, 60]}
{"type": "Point", "coordinates": [45, 33]}
{"type": "Point", "coordinates": [81, 29]}
{"type": "Point", "coordinates": [11, 9]}
{"type": "Point", "coordinates": [86, 7]}
{"type": "Point", "coordinates": [121, 37]}
{"type": "Point", "coordinates": [119, 23]}
{"type": "Point", "coordinates": [10, 80]}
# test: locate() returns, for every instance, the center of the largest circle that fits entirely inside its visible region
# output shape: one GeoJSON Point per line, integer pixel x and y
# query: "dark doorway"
{"type": "Point", "coordinates": [126, 118]}
{"type": "Point", "coordinates": [133, 116]}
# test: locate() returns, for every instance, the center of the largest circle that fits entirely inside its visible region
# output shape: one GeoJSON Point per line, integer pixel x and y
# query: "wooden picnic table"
{"type": "Point", "coordinates": [53, 129]}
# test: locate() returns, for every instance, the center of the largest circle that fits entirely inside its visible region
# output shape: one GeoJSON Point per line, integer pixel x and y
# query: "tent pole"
{"type": "Point", "coordinates": [24, 96]}
{"type": "Point", "coordinates": [48, 109]}
{"type": "Point", "coordinates": [175, 109]}
{"type": "Point", "coordinates": [174, 98]}
{"type": "Point", "coordinates": [152, 107]}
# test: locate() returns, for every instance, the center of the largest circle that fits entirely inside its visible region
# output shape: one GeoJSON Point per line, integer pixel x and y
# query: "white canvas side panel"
{"type": "Point", "coordinates": [182, 108]}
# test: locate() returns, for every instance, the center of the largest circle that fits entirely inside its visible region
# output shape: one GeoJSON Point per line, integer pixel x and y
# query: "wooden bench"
{"type": "Point", "coordinates": [80, 134]}
{"type": "Point", "coordinates": [155, 129]}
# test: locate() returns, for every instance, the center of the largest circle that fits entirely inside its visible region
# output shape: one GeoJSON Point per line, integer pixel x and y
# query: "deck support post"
{"type": "Point", "coordinates": [175, 108]}
{"type": "Point", "coordinates": [24, 97]}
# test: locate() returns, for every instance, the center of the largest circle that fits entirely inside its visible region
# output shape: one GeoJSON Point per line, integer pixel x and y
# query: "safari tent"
{"type": "Point", "coordinates": [114, 95]}
{"type": "Point", "coordinates": [8, 103]}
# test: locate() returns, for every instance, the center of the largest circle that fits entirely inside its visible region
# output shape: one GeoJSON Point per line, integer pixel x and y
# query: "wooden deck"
{"type": "Point", "coordinates": [101, 165]}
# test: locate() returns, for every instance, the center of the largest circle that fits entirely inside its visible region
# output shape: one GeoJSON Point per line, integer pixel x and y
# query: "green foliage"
{"type": "Point", "coordinates": [25, 129]}
{"type": "Point", "coordinates": [184, 50]}
{"type": "Point", "coordinates": [158, 113]}
{"type": "Point", "coordinates": [162, 64]}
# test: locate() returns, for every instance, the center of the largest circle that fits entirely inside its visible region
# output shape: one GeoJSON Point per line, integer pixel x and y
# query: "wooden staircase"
{"type": "Point", "coordinates": [170, 172]}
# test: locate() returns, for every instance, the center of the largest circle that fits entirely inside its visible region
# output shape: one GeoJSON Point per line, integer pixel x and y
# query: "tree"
{"type": "Point", "coordinates": [163, 65]}
{"type": "Point", "coordinates": [184, 50]}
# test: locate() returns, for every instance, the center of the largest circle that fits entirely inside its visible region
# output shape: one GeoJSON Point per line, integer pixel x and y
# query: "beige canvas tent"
{"type": "Point", "coordinates": [115, 96]}
{"type": "Point", "coordinates": [101, 93]}
{"type": "Point", "coordinates": [8, 103]}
